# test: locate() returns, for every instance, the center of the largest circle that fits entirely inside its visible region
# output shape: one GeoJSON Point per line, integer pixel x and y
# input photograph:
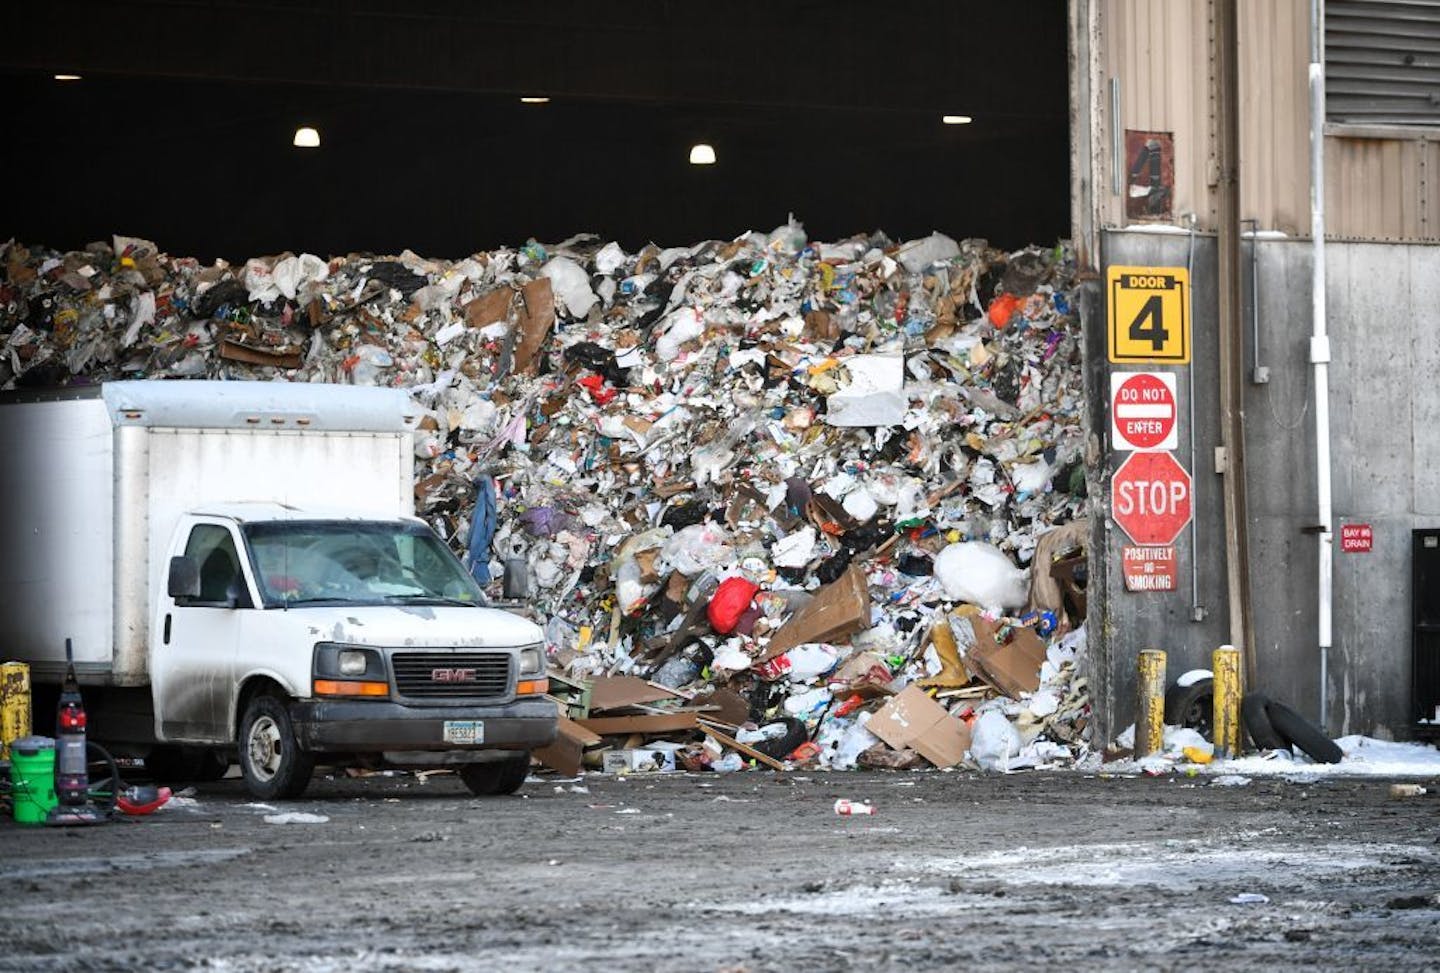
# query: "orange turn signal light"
{"type": "Point", "coordinates": [532, 687]}
{"type": "Point", "coordinates": [336, 687]}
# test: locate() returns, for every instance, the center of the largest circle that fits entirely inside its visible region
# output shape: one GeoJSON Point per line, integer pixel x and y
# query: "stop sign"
{"type": "Point", "coordinates": [1151, 497]}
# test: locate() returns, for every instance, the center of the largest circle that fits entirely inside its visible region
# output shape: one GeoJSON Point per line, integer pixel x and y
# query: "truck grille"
{"type": "Point", "coordinates": [452, 675]}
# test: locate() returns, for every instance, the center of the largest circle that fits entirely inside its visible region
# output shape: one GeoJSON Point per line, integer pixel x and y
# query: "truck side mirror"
{"type": "Point", "coordinates": [516, 579]}
{"type": "Point", "coordinates": [184, 578]}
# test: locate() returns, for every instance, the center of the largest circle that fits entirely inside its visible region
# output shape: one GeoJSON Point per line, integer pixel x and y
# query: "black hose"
{"type": "Point", "coordinates": [99, 794]}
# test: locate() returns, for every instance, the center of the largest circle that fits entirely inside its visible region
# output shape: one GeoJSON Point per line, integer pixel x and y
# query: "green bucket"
{"type": "Point", "coordinates": [32, 779]}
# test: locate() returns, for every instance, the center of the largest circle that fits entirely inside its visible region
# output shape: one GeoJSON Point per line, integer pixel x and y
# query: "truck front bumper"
{"type": "Point", "coordinates": [359, 726]}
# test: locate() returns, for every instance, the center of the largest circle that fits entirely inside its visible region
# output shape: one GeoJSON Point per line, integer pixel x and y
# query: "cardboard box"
{"type": "Point", "coordinates": [617, 692]}
{"type": "Point", "coordinates": [912, 719]}
{"type": "Point", "coordinates": [537, 316]}
{"type": "Point", "coordinates": [838, 610]}
{"type": "Point", "coordinates": [1012, 667]}
{"type": "Point", "coordinates": [568, 751]}
{"type": "Point", "coordinates": [640, 760]}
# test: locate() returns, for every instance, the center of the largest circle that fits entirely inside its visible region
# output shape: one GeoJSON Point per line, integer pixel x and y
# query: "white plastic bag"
{"type": "Point", "coordinates": [571, 285]}
{"type": "Point", "coordinates": [981, 574]}
{"type": "Point", "coordinates": [993, 741]}
{"type": "Point", "coordinates": [697, 548]}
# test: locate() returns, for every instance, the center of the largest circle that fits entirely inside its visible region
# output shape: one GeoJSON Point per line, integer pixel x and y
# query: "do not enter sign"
{"type": "Point", "coordinates": [1151, 498]}
{"type": "Point", "coordinates": [1142, 410]}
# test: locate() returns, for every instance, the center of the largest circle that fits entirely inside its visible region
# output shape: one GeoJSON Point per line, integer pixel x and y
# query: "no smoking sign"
{"type": "Point", "coordinates": [1143, 410]}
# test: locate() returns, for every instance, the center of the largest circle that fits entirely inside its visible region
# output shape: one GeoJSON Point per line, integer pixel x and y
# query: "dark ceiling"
{"type": "Point", "coordinates": [180, 129]}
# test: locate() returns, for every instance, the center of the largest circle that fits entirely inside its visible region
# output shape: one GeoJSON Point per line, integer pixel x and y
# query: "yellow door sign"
{"type": "Point", "coordinates": [1148, 314]}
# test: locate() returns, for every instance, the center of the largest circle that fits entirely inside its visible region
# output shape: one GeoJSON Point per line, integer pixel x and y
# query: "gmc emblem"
{"type": "Point", "coordinates": [452, 675]}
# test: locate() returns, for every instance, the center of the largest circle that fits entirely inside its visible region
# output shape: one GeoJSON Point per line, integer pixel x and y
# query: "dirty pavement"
{"type": "Point", "coordinates": [741, 872]}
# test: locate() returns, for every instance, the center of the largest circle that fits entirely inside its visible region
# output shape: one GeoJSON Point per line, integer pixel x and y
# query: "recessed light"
{"type": "Point", "coordinates": [702, 155]}
{"type": "Point", "coordinates": [956, 119]}
{"type": "Point", "coordinates": [67, 77]}
{"type": "Point", "coordinates": [306, 138]}
{"type": "Point", "coordinates": [534, 100]}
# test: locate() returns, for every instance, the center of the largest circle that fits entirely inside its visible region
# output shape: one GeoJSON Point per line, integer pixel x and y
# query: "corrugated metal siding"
{"type": "Point", "coordinates": [1275, 114]}
{"type": "Point", "coordinates": [1158, 50]}
{"type": "Point", "coordinates": [1382, 189]}
{"type": "Point", "coordinates": [1377, 188]}
{"type": "Point", "coordinates": [1382, 61]}
{"type": "Point", "coordinates": [1161, 53]}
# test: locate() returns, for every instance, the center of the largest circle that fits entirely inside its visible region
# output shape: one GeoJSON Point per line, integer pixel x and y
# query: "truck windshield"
{"type": "Point", "coordinates": [314, 562]}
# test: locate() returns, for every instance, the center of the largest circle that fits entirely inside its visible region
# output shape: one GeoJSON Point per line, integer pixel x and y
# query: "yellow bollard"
{"type": "Point", "coordinates": [1150, 713]}
{"type": "Point", "coordinates": [14, 704]}
{"type": "Point", "coordinates": [1225, 663]}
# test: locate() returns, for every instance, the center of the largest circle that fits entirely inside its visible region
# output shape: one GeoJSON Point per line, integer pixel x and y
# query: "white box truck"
{"type": "Point", "coordinates": [241, 574]}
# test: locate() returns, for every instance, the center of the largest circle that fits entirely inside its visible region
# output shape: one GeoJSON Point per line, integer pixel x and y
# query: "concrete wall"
{"type": "Point", "coordinates": [1385, 442]}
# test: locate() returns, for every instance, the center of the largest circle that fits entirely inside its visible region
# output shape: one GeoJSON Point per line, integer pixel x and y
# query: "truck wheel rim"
{"type": "Point", "coordinates": [264, 747]}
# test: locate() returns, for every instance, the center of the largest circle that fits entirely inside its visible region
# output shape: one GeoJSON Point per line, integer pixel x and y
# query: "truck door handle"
{"type": "Point", "coordinates": [167, 628]}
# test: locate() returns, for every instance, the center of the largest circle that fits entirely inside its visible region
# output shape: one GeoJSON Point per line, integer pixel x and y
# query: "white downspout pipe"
{"type": "Point", "coordinates": [1320, 346]}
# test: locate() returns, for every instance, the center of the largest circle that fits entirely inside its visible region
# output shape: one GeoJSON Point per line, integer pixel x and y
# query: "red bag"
{"type": "Point", "coordinates": [1002, 309]}
{"type": "Point", "coordinates": [731, 600]}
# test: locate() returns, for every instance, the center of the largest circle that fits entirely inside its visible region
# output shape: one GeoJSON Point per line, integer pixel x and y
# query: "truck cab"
{"type": "Point", "coordinates": [305, 635]}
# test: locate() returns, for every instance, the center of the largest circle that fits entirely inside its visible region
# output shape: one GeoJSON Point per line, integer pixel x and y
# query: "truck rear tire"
{"type": "Point", "coordinates": [496, 778]}
{"type": "Point", "coordinates": [270, 759]}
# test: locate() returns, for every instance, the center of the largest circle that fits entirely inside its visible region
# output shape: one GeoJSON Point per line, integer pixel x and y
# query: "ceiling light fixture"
{"type": "Point", "coordinates": [306, 138]}
{"type": "Point", "coordinates": [702, 155]}
{"type": "Point", "coordinates": [956, 119]}
{"type": "Point", "coordinates": [534, 100]}
{"type": "Point", "coordinates": [67, 77]}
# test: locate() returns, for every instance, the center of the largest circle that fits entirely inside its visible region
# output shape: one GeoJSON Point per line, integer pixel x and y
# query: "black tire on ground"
{"type": "Point", "coordinates": [1302, 733]}
{"type": "Point", "coordinates": [1257, 723]}
{"type": "Point", "coordinates": [497, 777]}
{"type": "Point", "coordinates": [270, 759]}
{"type": "Point", "coordinates": [784, 745]}
{"type": "Point", "coordinates": [1192, 706]}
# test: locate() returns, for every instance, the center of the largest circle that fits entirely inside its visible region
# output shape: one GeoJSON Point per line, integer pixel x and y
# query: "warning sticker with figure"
{"type": "Point", "coordinates": [1148, 314]}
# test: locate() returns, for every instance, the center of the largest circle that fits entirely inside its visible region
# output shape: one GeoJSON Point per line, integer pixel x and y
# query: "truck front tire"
{"type": "Point", "coordinates": [271, 760]}
{"type": "Point", "coordinates": [498, 777]}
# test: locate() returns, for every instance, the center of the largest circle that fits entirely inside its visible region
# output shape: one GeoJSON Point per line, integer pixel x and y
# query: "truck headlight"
{"type": "Point", "coordinates": [349, 670]}
{"type": "Point", "coordinates": [532, 661]}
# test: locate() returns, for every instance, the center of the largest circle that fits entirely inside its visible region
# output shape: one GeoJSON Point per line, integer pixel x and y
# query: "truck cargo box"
{"type": "Point", "coordinates": [93, 481]}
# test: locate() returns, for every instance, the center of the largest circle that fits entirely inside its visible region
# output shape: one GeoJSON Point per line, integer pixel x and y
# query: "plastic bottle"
{"type": "Point", "coordinates": [848, 808]}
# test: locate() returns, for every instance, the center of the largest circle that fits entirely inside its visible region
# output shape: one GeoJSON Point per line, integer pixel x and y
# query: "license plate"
{"type": "Point", "coordinates": [465, 731]}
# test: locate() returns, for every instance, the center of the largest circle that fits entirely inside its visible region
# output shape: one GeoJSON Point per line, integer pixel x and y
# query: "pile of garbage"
{"type": "Point", "coordinates": [816, 503]}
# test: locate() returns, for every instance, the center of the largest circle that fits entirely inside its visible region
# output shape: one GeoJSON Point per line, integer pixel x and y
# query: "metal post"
{"type": "Point", "coordinates": [1150, 711]}
{"type": "Point", "coordinates": [1320, 350]}
{"type": "Point", "coordinates": [1232, 340]}
{"type": "Point", "coordinates": [1225, 664]}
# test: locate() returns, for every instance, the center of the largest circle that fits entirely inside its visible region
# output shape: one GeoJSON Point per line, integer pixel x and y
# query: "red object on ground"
{"type": "Point", "coordinates": [136, 801]}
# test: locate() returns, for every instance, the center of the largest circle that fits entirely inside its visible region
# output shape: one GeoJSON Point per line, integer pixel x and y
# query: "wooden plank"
{"type": "Point", "coordinates": [669, 723]}
{"type": "Point", "coordinates": [566, 754]}
{"type": "Point", "coordinates": [748, 751]}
